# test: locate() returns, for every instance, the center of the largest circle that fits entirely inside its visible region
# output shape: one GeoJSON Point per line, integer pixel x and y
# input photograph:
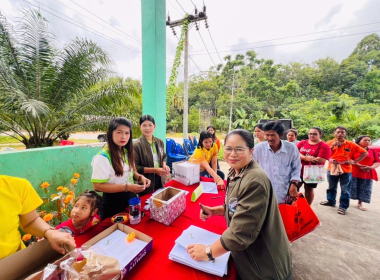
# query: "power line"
{"type": "Point", "coordinates": [206, 48]}
{"type": "Point", "coordinates": [104, 36]}
{"type": "Point", "coordinates": [191, 57]}
{"type": "Point", "coordinates": [300, 35]}
{"type": "Point", "coordinates": [95, 21]}
{"type": "Point", "coordinates": [214, 45]}
{"type": "Point", "coordinates": [291, 43]}
{"type": "Point", "coordinates": [106, 22]}
{"type": "Point", "coordinates": [181, 7]}
{"type": "Point", "coordinates": [175, 8]}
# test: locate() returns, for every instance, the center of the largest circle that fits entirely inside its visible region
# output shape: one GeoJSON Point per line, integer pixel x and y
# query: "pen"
{"type": "Point", "coordinates": [215, 197]}
{"type": "Point", "coordinates": [203, 211]}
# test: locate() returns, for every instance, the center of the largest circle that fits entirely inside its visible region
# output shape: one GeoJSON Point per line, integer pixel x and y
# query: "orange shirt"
{"type": "Point", "coordinates": [217, 141]}
{"type": "Point", "coordinates": [345, 152]}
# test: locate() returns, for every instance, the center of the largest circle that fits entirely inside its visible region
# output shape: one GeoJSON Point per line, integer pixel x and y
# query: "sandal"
{"type": "Point", "coordinates": [327, 203]}
{"type": "Point", "coordinates": [342, 211]}
{"type": "Point", "coordinates": [362, 208]}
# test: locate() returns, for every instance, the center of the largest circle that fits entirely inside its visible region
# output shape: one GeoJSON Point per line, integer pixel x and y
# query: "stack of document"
{"type": "Point", "coordinates": [196, 235]}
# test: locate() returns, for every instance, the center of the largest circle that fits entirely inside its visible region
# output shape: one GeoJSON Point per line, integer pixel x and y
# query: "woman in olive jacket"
{"type": "Point", "coordinates": [149, 154]}
{"type": "Point", "coordinates": [255, 235]}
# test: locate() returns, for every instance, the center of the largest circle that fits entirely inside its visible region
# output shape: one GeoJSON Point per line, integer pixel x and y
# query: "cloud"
{"type": "Point", "coordinates": [113, 21]}
{"type": "Point", "coordinates": [327, 19]}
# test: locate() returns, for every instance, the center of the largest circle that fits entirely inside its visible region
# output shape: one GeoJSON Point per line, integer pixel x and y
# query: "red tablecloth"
{"type": "Point", "coordinates": [157, 262]}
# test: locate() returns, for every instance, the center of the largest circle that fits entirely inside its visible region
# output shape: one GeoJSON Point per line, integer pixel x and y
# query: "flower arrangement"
{"type": "Point", "coordinates": [56, 205]}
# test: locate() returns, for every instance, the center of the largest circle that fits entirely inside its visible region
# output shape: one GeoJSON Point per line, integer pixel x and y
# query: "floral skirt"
{"type": "Point", "coordinates": [361, 189]}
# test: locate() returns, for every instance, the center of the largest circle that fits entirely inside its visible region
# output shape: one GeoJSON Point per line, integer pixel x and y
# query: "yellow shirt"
{"type": "Point", "coordinates": [200, 155]}
{"type": "Point", "coordinates": [17, 197]}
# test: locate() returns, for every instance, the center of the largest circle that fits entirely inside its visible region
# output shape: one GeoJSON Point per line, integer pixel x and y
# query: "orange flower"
{"type": "Point", "coordinates": [59, 188]}
{"type": "Point", "coordinates": [48, 217]}
{"type": "Point", "coordinates": [76, 175]}
{"type": "Point", "coordinates": [27, 237]}
{"type": "Point", "coordinates": [65, 190]}
{"type": "Point", "coordinates": [44, 185]}
{"type": "Point", "coordinates": [74, 181]}
{"type": "Point", "coordinates": [42, 213]}
{"type": "Point", "coordinates": [67, 199]}
{"type": "Point", "coordinates": [71, 193]}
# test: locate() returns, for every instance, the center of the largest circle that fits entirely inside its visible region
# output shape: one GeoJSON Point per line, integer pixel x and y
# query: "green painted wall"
{"type": "Point", "coordinates": [55, 165]}
{"type": "Point", "coordinates": [154, 62]}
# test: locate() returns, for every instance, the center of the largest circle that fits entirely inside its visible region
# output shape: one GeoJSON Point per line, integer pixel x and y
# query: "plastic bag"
{"type": "Point", "coordinates": [87, 265]}
{"type": "Point", "coordinates": [313, 174]}
{"type": "Point", "coordinates": [299, 219]}
{"type": "Point", "coordinates": [50, 272]}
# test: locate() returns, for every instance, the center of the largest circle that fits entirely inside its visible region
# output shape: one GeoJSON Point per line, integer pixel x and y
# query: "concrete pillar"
{"type": "Point", "coordinates": [153, 19]}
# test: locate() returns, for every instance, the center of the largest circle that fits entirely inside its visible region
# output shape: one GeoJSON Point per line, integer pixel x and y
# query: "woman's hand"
{"type": "Point", "coordinates": [57, 239]}
{"type": "Point", "coordinates": [135, 188]}
{"type": "Point", "coordinates": [197, 252]}
{"type": "Point", "coordinates": [161, 171]}
{"type": "Point", "coordinates": [220, 183]}
{"type": "Point", "coordinates": [331, 160]}
{"type": "Point", "coordinates": [145, 181]}
{"type": "Point", "coordinates": [209, 213]}
{"type": "Point", "coordinates": [167, 168]}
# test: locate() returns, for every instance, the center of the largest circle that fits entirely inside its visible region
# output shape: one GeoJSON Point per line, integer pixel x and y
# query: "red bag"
{"type": "Point", "coordinates": [299, 219]}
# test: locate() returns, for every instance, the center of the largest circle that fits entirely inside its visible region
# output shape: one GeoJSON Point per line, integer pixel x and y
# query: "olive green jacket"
{"type": "Point", "coordinates": [144, 158]}
{"type": "Point", "coordinates": [255, 235]}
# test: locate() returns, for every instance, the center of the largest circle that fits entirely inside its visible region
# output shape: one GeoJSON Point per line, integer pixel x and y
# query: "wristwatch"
{"type": "Point", "coordinates": [209, 254]}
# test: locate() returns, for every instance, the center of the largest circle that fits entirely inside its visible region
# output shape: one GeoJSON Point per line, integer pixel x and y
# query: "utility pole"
{"type": "Point", "coordinates": [232, 97]}
{"type": "Point", "coordinates": [192, 19]}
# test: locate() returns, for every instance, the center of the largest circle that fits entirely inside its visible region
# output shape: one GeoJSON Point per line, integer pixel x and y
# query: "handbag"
{"type": "Point", "coordinates": [298, 218]}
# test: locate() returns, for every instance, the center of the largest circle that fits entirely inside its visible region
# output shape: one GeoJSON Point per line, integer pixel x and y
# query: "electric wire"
{"type": "Point", "coordinates": [105, 21]}
{"type": "Point", "coordinates": [214, 45]}
{"type": "Point", "coordinates": [206, 48]}
{"type": "Point", "coordinates": [290, 43]}
{"type": "Point", "coordinates": [181, 7]}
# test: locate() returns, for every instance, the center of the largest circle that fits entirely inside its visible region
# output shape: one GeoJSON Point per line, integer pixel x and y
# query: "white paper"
{"type": "Point", "coordinates": [116, 246]}
{"type": "Point", "coordinates": [219, 267]}
{"type": "Point", "coordinates": [196, 235]}
{"type": "Point", "coordinates": [209, 187]}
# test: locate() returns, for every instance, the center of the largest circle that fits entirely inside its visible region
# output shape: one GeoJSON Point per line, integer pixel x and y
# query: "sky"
{"type": "Point", "coordinates": [285, 31]}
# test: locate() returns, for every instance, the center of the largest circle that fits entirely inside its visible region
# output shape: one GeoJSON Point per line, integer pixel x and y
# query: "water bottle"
{"type": "Point", "coordinates": [135, 211]}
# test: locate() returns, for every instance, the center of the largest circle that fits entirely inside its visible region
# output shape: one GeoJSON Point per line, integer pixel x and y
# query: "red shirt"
{"type": "Point", "coordinates": [370, 159]}
{"type": "Point", "coordinates": [321, 150]}
{"type": "Point", "coordinates": [69, 227]}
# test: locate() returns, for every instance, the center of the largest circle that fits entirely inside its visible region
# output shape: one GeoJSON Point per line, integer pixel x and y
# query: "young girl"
{"type": "Point", "coordinates": [114, 171]}
{"type": "Point", "coordinates": [84, 214]}
{"type": "Point", "coordinates": [150, 156]}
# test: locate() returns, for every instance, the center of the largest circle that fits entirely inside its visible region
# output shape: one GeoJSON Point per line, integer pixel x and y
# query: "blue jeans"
{"type": "Point", "coordinates": [204, 173]}
{"type": "Point", "coordinates": [345, 185]}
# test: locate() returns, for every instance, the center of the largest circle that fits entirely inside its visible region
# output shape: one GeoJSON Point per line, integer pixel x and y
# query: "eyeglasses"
{"type": "Point", "coordinates": [238, 150]}
{"type": "Point", "coordinates": [315, 134]}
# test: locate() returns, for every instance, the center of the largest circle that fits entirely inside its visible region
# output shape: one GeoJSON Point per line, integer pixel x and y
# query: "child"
{"type": "Point", "coordinates": [83, 215]}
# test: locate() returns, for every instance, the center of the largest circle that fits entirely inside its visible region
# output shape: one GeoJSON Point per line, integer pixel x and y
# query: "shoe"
{"type": "Point", "coordinates": [342, 211]}
{"type": "Point", "coordinates": [327, 203]}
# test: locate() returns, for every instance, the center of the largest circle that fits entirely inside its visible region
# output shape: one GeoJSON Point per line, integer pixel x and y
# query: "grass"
{"type": "Point", "coordinates": [7, 140]}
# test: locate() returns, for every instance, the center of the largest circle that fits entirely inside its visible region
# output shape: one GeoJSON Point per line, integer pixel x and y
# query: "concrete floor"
{"type": "Point", "coordinates": [344, 247]}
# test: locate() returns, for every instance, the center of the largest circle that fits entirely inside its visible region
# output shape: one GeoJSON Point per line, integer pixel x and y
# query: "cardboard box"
{"type": "Point", "coordinates": [187, 173]}
{"type": "Point", "coordinates": [28, 261]}
{"type": "Point", "coordinates": [167, 205]}
{"type": "Point", "coordinates": [126, 229]}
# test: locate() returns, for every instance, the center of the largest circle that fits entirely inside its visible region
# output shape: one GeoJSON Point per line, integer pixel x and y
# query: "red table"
{"type": "Point", "coordinates": [156, 263]}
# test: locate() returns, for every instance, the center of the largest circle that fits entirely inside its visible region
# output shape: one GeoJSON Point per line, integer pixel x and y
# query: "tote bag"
{"type": "Point", "coordinates": [299, 219]}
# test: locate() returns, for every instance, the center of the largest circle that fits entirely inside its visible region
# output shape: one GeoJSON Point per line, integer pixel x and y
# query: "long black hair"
{"type": "Point", "coordinates": [204, 135]}
{"type": "Point", "coordinates": [245, 134]}
{"type": "Point", "coordinates": [116, 156]}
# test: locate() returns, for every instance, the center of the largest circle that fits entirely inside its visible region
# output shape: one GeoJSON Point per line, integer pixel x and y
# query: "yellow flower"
{"type": "Point", "coordinates": [74, 181]}
{"type": "Point", "coordinates": [44, 185]}
{"type": "Point", "coordinates": [76, 175]}
{"type": "Point", "coordinates": [67, 199]}
{"type": "Point", "coordinates": [65, 190]}
{"type": "Point", "coordinates": [48, 217]}
{"type": "Point", "coordinates": [59, 188]}
{"type": "Point", "coordinates": [71, 193]}
{"type": "Point", "coordinates": [27, 237]}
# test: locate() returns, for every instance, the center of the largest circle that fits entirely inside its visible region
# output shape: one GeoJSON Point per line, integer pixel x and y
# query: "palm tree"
{"type": "Point", "coordinates": [45, 92]}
